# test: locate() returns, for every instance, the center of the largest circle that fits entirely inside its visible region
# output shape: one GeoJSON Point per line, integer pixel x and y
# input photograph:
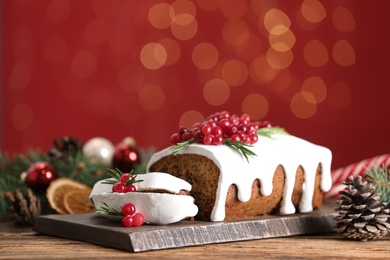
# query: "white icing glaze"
{"type": "Point", "coordinates": [157, 208]}
{"type": "Point", "coordinates": [150, 181]}
{"type": "Point", "coordinates": [281, 149]}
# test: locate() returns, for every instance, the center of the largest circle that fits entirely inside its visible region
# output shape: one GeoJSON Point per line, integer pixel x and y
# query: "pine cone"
{"type": "Point", "coordinates": [361, 214]}
{"type": "Point", "coordinates": [64, 148]}
{"type": "Point", "coordinates": [25, 207]}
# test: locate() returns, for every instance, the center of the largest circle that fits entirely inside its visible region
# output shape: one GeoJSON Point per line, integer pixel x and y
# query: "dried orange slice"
{"type": "Point", "coordinates": [58, 188]}
{"type": "Point", "coordinates": [77, 202]}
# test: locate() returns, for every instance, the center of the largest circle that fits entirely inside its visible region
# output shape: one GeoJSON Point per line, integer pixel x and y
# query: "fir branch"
{"type": "Point", "coordinates": [108, 210]}
{"type": "Point", "coordinates": [241, 148]}
{"type": "Point", "coordinates": [269, 131]}
{"type": "Point", "coordinates": [380, 176]}
{"type": "Point", "coordinates": [176, 148]}
{"type": "Point", "coordinates": [117, 174]}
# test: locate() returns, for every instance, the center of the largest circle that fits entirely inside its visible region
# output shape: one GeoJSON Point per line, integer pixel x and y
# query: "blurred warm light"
{"type": "Point", "coordinates": [153, 56]}
{"type": "Point", "coordinates": [235, 32]}
{"type": "Point", "coordinates": [190, 117]}
{"type": "Point", "coordinates": [22, 116]}
{"type": "Point", "coordinates": [279, 60]}
{"type": "Point", "coordinates": [19, 76]}
{"type": "Point", "coordinates": [343, 19]}
{"type": "Point", "coordinates": [97, 31]}
{"type": "Point", "coordinates": [184, 7]}
{"type": "Point", "coordinates": [276, 18]}
{"type": "Point", "coordinates": [343, 53]}
{"type": "Point", "coordinates": [256, 105]}
{"type": "Point", "coordinates": [234, 72]}
{"type": "Point", "coordinates": [251, 49]}
{"type": "Point", "coordinates": [282, 41]}
{"type": "Point", "coordinates": [131, 78]}
{"type": "Point", "coordinates": [173, 50]}
{"type": "Point", "coordinates": [151, 97]}
{"type": "Point", "coordinates": [233, 8]}
{"type": "Point", "coordinates": [315, 53]}
{"type": "Point", "coordinates": [313, 11]}
{"type": "Point", "coordinates": [58, 10]}
{"type": "Point", "coordinates": [205, 55]}
{"type": "Point", "coordinates": [316, 86]}
{"type": "Point", "coordinates": [216, 92]}
{"type": "Point", "coordinates": [161, 15]}
{"type": "Point", "coordinates": [184, 26]}
{"type": "Point", "coordinates": [339, 95]}
{"type": "Point", "coordinates": [84, 64]}
{"type": "Point", "coordinates": [303, 105]}
{"type": "Point", "coordinates": [55, 50]}
{"type": "Point", "coordinates": [22, 38]}
{"type": "Point", "coordinates": [260, 70]}
{"type": "Point", "coordinates": [103, 8]}
{"type": "Point", "coordinates": [208, 5]}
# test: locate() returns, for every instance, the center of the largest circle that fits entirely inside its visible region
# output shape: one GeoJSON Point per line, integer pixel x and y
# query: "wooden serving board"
{"type": "Point", "coordinates": [96, 229]}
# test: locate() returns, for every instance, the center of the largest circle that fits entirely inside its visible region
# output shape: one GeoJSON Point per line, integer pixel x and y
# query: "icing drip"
{"type": "Point", "coordinates": [286, 150]}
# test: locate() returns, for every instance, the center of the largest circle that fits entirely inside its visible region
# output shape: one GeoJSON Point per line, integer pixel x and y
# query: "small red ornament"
{"type": "Point", "coordinates": [126, 157]}
{"type": "Point", "coordinates": [39, 175]}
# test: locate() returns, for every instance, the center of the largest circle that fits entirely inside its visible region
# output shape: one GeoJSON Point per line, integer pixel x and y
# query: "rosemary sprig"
{"type": "Point", "coordinates": [176, 148]}
{"type": "Point", "coordinates": [269, 131]}
{"type": "Point", "coordinates": [380, 176]}
{"type": "Point", "coordinates": [108, 210]}
{"type": "Point", "coordinates": [240, 147]}
{"type": "Point", "coordinates": [117, 174]}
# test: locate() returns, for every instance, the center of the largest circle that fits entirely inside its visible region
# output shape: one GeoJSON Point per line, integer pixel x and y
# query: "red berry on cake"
{"type": "Point", "coordinates": [128, 209]}
{"type": "Point", "coordinates": [138, 219]}
{"type": "Point", "coordinates": [128, 221]}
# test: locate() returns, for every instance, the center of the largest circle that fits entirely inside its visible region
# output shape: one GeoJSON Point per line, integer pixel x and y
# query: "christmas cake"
{"type": "Point", "coordinates": [238, 168]}
{"type": "Point", "coordinates": [161, 198]}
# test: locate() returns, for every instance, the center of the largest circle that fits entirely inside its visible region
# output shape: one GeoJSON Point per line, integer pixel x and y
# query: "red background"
{"type": "Point", "coordinates": [76, 68]}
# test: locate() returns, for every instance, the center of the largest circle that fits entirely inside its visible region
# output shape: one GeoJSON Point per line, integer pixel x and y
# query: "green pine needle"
{"type": "Point", "coordinates": [380, 176]}
{"type": "Point", "coordinates": [240, 147]}
{"type": "Point", "coordinates": [108, 210]}
{"type": "Point", "coordinates": [269, 131]}
{"type": "Point", "coordinates": [176, 148]}
{"type": "Point", "coordinates": [117, 174]}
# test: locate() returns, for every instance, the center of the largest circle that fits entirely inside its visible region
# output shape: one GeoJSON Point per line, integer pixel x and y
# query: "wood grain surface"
{"type": "Point", "coordinates": [99, 230]}
{"type": "Point", "coordinates": [23, 243]}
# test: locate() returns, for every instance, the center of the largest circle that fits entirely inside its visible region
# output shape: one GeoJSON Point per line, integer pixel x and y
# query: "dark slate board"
{"type": "Point", "coordinates": [99, 230]}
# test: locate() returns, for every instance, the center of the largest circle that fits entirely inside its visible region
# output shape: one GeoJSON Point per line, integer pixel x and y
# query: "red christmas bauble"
{"type": "Point", "coordinates": [39, 175]}
{"type": "Point", "coordinates": [126, 157]}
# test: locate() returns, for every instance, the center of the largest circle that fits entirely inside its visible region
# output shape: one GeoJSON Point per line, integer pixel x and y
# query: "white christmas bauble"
{"type": "Point", "coordinates": [99, 148]}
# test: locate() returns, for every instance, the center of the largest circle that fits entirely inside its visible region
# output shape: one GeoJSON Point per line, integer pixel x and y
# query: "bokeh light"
{"type": "Point", "coordinates": [235, 32]}
{"type": "Point", "coordinates": [205, 55]}
{"type": "Point", "coordinates": [313, 11]}
{"type": "Point", "coordinates": [161, 15]}
{"type": "Point", "coordinates": [234, 72]}
{"type": "Point", "coordinates": [343, 19]}
{"type": "Point", "coordinates": [303, 105]}
{"type": "Point", "coordinates": [20, 76]}
{"type": "Point", "coordinates": [316, 86]}
{"type": "Point", "coordinates": [184, 26]}
{"type": "Point", "coordinates": [216, 92]}
{"type": "Point", "coordinates": [255, 105]}
{"type": "Point", "coordinates": [315, 53]}
{"type": "Point", "coordinates": [151, 97]}
{"type": "Point", "coordinates": [343, 53]}
{"type": "Point", "coordinates": [190, 117]}
{"type": "Point", "coordinates": [153, 56]}
{"type": "Point", "coordinates": [84, 64]}
{"type": "Point", "coordinates": [260, 71]}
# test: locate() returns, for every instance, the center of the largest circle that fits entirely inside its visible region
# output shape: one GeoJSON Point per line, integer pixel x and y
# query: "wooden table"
{"type": "Point", "coordinates": [23, 243]}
